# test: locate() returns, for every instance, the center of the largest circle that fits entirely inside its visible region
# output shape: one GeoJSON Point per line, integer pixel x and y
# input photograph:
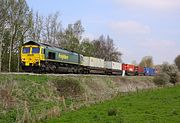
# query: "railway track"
{"type": "Point", "coordinates": [36, 74]}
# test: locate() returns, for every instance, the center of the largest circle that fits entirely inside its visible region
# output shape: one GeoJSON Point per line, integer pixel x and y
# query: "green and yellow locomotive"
{"type": "Point", "coordinates": [40, 57]}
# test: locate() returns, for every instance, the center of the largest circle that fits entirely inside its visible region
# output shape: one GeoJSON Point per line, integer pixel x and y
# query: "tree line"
{"type": "Point", "coordinates": [19, 23]}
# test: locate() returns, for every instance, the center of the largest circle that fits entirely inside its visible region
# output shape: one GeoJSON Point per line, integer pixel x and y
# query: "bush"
{"type": "Point", "coordinates": [162, 79]}
{"type": "Point", "coordinates": [112, 112]}
{"type": "Point", "coordinates": [172, 71]}
{"type": "Point", "coordinates": [177, 61]}
{"type": "Point", "coordinates": [175, 77]}
{"type": "Point", "coordinates": [68, 87]}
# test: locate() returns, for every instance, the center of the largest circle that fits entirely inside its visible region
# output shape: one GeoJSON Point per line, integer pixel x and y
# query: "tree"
{"type": "Point", "coordinates": [35, 32]}
{"type": "Point", "coordinates": [72, 36]}
{"type": "Point", "coordinates": [146, 61]}
{"type": "Point", "coordinates": [105, 49]}
{"type": "Point", "coordinates": [87, 48]}
{"type": "Point", "coordinates": [18, 14]}
{"type": "Point", "coordinates": [14, 23]}
{"type": "Point", "coordinates": [24, 26]}
{"type": "Point", "coordinates": [177, 61]}
{"type": "Point", "coordinates": [52, 28]}
{"type": "Point", "coordinates": [3, 19]}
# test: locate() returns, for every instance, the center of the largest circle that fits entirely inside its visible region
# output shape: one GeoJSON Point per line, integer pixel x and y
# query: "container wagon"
{"type": "Point", "coordinates": [113, 67]}
{"type": "Point", "coordinates": [93, 65]}
{"type": "Point", "coordinates": [149, 71]}
{"type": "Point", "coordinates": [139, 71]}
{"type": "Point", "coordinates": [129, 69]}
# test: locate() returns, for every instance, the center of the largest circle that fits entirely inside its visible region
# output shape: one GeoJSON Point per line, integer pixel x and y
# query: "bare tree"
{"type": "Point", "coordinates": [52, 28]}
{"type": "Point", "coordinates": [78, 29]}
{"type": "Point", "coordinates": [35, 32]}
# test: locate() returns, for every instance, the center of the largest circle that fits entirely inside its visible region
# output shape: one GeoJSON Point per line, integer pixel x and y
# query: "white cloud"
{"type": "Point", "coordinates": [151, 4]}
{"type": "Point", "coordinates": [129, 28]}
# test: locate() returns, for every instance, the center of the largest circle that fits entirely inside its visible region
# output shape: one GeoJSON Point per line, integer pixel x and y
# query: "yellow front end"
{"type": "Point", "coordinates": [32, 55]}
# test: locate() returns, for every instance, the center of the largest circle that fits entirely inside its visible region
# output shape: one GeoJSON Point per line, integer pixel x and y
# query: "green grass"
{"type": "Point", "coordinates": [15, 90]}
{"type": "Point", "coordinates": [149, 106]}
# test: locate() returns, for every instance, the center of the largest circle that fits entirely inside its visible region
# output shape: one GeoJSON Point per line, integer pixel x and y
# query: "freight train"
{"type": "Point", "coordinates": [44, 58]}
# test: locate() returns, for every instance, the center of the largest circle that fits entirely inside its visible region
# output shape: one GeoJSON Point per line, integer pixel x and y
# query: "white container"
{"type": "Point", "coordinates": [113, 65]}
{"type": "Point", "coordinates": [93, 62]}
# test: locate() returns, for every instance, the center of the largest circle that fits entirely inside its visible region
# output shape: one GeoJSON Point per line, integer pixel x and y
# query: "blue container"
{"type": "Point", "coordinates": [149, 71]}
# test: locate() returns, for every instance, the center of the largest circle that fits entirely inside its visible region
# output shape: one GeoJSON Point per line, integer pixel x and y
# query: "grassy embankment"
{"type": "Point", "coordinates": [31, 98]}
{"type": "Point", "coordinates": [148, 106]}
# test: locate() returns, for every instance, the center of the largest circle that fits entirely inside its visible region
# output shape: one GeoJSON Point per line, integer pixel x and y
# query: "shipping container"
{"type": "Point", "coordinates": [139, 70]}
{"type": "Point", "coordinates": [149, 71]}
{"type": "Point", "coordinates": [113, 65]}
{"type": "Point", "coordinates": [129, 69]}
{"type": "Point", "coordinates": [93, 62]}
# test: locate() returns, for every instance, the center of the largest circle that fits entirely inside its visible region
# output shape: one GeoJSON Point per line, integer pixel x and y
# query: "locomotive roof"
{"type": "Point", "coordinates": [35, 43]}
{"type": "Point", "coordinates": [46, 45]}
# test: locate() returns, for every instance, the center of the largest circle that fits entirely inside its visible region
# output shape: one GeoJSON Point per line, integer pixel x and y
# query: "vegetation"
{"type": "Point", "coordinates": [177, 61]}
{"type": "Point", "coordinates": [162, 79]}
{"type": "Point", "coordinates": [156, 106]}
{"type": "Point", "coordinates": [35, 98]}
{"type": "Point", "coordinates": [68, 87]}
{"type": "Point", "coordinates": [25, 98]}
{"type": "Point", "coordinates": [171, 71]}
{"type": "Point", "coordinates": [146, 61]}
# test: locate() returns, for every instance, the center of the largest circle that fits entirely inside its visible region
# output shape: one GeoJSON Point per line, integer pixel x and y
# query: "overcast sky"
{"type": "Point", "coordinates": [138, 27]}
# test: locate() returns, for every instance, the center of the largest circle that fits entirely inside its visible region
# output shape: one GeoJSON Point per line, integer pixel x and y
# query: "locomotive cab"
{"type": "Point", "coordinates": [31, 54]}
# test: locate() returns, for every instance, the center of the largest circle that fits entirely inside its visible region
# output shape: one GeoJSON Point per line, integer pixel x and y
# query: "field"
{"type": "Point", "coordinates": [148, 106]}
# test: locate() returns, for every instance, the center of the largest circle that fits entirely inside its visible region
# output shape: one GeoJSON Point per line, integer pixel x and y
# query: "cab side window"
{"type": "Point", "coordinates": [51, 55]}
{"type": "Point", "coordinates": [43, 51]}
